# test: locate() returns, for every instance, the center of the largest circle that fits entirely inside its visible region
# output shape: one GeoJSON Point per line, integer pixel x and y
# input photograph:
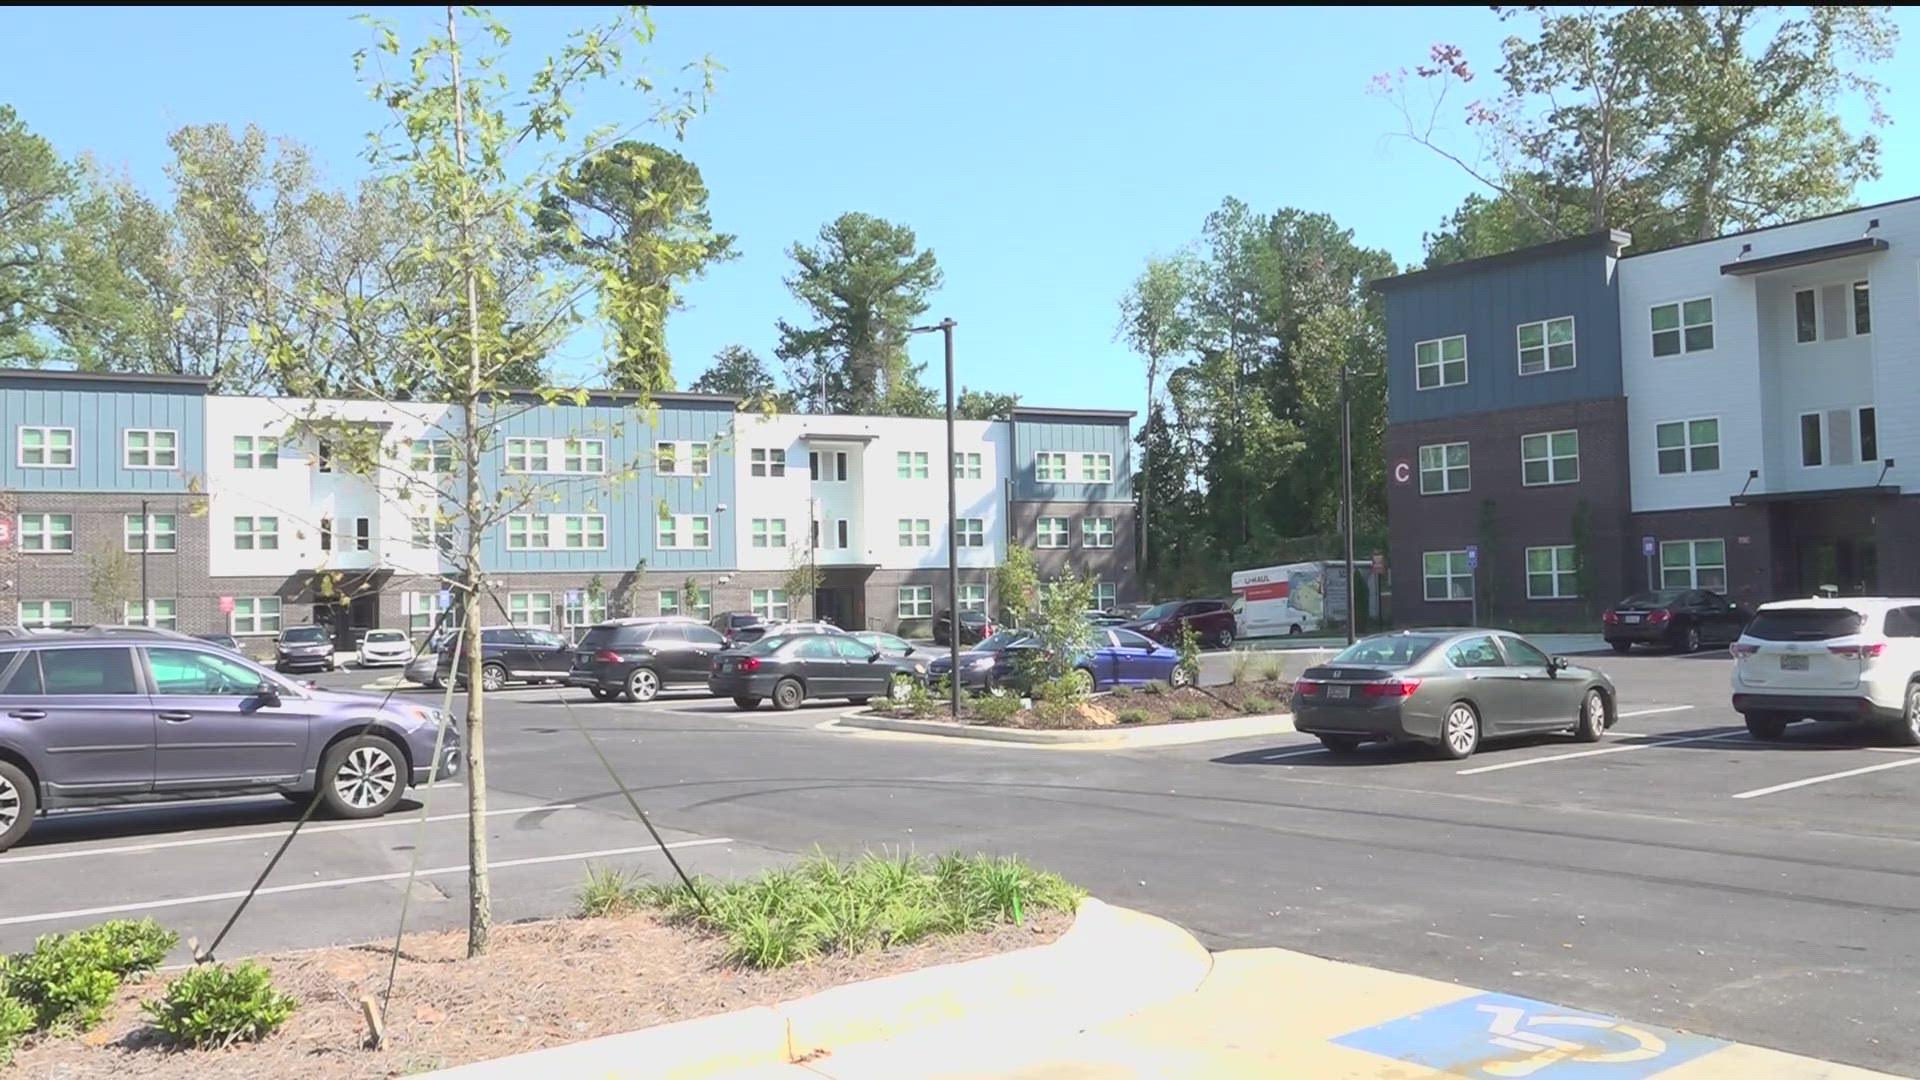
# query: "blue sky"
{"type": "Point", "coordinates": [1043, 154]}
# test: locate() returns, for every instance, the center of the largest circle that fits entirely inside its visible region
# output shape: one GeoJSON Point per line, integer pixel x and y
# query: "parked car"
{"type": "Point", "coordinates": [508, 654]}
{"type": "Point", "coordinates": [92, 718]}
{"type": "Point", "coordinates": [1450, 689]}
{"type": "Point", "coordinates": [896, 646]}
{"type": "Point", "coordinates": [303, 648]}
{"type": "Point", "coordinates": [1856, 659]}
{"type": "Point", "coordinates": [424, 670]}
{"type": "Point", "coordinates": [791, 668]}
{"type": "Point", "coordinates": [635, 659]}
{"type": "Point", "coordinates": [1106, 618]}
{"type": "Point", "coordinates": [1683, 620]}
{"type": "Point", "coordinates": [801, 627]}
{"type": "Point", "coordinates": [1117, 657]}
{"type": "Point", "coordinates": [385, 648]}
{"type": "Point", "coordinates": [738, 627]}
{"type": "Point", "coordinates": [225, 641]}
{"type": "Point", "coordinates": [974, 627]}
{"type": "Point", "coordinates": [1211, 620]}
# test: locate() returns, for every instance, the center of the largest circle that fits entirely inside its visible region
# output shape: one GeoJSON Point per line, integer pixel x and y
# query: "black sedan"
{"type": "Point", "coordinates": [1683, 620]}
{"type": "Point", "coordinates": [792, 668]}
{"type": "Point", "coordinates": [1449, 689]}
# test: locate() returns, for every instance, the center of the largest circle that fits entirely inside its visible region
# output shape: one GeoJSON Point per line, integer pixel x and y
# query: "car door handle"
{"type": "Point", "coordinates": [28, 714]}
{"type": "Point", "coordinates": [176, 717]}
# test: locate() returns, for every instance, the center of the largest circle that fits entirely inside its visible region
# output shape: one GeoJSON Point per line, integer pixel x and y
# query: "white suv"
{"type": "Point", "coordinates": [1854, 658]}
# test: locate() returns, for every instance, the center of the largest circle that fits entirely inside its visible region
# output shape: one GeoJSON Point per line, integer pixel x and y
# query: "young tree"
{"type": "Point", "coordinates": [1017, 584]}
{"type": "Point", "coordinates": [738, 371]}
{"type": "Point", "coordinates": [1154, 322]}
{"type": "Point", "coordinates": [984, 405]}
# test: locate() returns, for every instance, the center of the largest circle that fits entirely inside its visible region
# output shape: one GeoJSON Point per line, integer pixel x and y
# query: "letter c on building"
{"type": "Point", "coordinates": [1402, 472]}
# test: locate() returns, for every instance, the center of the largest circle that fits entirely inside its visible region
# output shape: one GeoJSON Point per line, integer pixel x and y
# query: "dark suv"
{"type": "Point", "coordinates": [507, 654]}
{"type": "Point", "coordinates": [635, 659]}
{"type": "Point", "coordinates": [975, 627]}
{"type": "Point", "coordinates": [89, 718]}
{"type": "Point", "coordinates": [1211, 620]}
{"type": "Point", "coordinates": [303, 648]}
{"type": "Point", "coordinates": [739, 627]}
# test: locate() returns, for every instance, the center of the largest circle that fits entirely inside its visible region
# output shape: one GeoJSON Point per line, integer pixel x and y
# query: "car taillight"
{"type": "Point", "coordinates": [1394, 689]}
{"type": "Point", "coordinates": [608, 656]}
{"type": "Point", "coordinates": [1738, 649]}
{"type": "Point", "coordinates": [1858, 652]}
{"type": "Point", "coordinates": [750, 663]}
{"type": "Point", "coordinates": [1610, 618]}
{"type": "Point", "coordinates": [1308, 688]}
{"type": "Point", "coordinates": [1659, 616]}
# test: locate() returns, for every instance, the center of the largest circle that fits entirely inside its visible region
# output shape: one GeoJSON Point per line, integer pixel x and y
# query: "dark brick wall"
{"type": "Point", "coordinates": [1115, 564]}
{"type": "Point", "coordinates": [99, 534]}
{"type": "Point", "coordinates": [1752, 542]}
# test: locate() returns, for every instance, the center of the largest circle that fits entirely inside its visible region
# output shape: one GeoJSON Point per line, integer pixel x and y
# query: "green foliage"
{"type": "Point", "coordinates": [996, 710]}
{"type": "Point", "coordinates": [1259, 706]}
{"type": "Point", "coordinates": [1244, 662]}
{"type": "Point", "coordinates": [1133, 716]}
{"type": "Point", "coordinates": [609, 892]}
{"type": "Point", "coordinates": [738, 371]}
{"type": "Point", "coordinates": [1189, 712]}
{"type": "Point", "coordinates": [1017, 583]}
{"type": "Point", "coordinates": [1154, 687]}
{"type": "Point", "coordinates": [1270, 668]}
{"type": "Point", "coordinates": [67, 980]}
{"type": "Point", "coordinates": [214, 1006]}
{"type": "Point", "coordinates": [1189, 661]}
{"type": "Point", "coordinates": [16, 1020]}
{"type": "Point", "coordinates": [1061, 628]}
{"type": "Point", "coordinates": [984, 405]}
{"type": "Point", "coordinates": [113, 578]}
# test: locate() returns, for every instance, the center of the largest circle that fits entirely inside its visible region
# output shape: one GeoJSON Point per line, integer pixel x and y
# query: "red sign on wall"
{"type": "Point", "coordinates": [6, 531]}
{"type": "Point", "coordinates": [226, 605]}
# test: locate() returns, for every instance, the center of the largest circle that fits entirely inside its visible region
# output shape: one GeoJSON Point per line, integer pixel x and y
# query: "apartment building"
{"type": "Point", "coordinates": [1071, 496]}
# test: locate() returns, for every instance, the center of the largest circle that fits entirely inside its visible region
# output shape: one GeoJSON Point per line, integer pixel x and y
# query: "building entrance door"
{"type": "Point", "coordinates": [1848, 566]}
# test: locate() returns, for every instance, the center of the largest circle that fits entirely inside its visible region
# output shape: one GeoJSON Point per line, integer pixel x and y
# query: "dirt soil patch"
{"type": "Point", "coordinates": [1126, 707]}
{"type": "Point", "coordinates": [542, 984]}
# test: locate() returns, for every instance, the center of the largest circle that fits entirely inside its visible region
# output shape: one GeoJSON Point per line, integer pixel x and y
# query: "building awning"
{"type": "Point", "coordinates": [1865, 245]}
{"type": "Point", "coordinates": [834, 436]}
{"type": "Point", "coordinates": [1877, 491]}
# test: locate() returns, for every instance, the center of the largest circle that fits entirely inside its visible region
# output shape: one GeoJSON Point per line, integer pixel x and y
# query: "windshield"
{"type": "Point", "coordinates": [1161, 611]}
{"type": "Point", "coordinates": [387, 636]}
{"type": "Point", "coordinates": [1805, 624]}
{"type": "Point", "coordinates": [768, 644]}
{"type": "Point", "coordinates": [1002, 639]}
{"type": "Point", "coordinates": [1397, 650]}
{"type": "Point", "coordinates": [1660, 598]}
{"type": "Point", "coordinates": [303, 635]}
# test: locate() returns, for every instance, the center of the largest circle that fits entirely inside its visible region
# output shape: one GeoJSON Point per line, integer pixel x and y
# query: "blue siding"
{"type": "Point", "coordinates": [99, 414]}
{"type": "Point", "coordinates": [629, 494]}
{"type": "Point", "coordinates": [1487, 306]}
{"type": "Point", "coordinates": [1096, 435]}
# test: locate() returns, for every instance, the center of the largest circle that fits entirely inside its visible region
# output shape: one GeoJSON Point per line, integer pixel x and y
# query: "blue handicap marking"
{"type": "Point", "coordinates": [1499, 1037]}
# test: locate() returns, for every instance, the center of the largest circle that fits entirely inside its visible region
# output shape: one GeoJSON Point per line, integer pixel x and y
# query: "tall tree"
{"type": "Point", "coordinates": [864, 284]}
{"type": "Point", "coordinates": [643, 208]}
{"type": "Point", "coordinates": [984, 405]}
{"type": "Point", "coordinates": [1155, 322]}
{"type": "Point", "coordinates": [739, 371]}
{"type": "Point", "coordinates": [35, 185]}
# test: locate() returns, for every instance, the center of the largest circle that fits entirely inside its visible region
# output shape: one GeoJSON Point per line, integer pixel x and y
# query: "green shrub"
{"type": "Point", "coordinates": [67, 980]}
{"type": "Point", "coordinates": [1243, 665]}
{"type": "Point", "coordinates": [16, 1019]}
{"type": "Point", "coordinates": [1270, 668]}
{"type": "Point", "coordinates": [1134, 716]}
{"type": "Point", "coordinates": [216, 1006]}
{"type": "Point", "coordinates": [608, 892]}
{"type": "Point", "coordinates": [1259, 706]}
{"type": "Point", "coordinates": [1189, 712]}
{"type": "Point", "coordinates": [1190, 653]}
{"type": "Point", "coordinates": [132, 948]}
{"type": "Point", "coordinates": [1154, 687]}
{"type": "Point", "coordinates": [996, 710]}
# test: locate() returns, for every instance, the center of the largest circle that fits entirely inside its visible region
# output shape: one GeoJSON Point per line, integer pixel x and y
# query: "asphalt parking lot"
{"type": "Point", "coordinates": [1678, 871]}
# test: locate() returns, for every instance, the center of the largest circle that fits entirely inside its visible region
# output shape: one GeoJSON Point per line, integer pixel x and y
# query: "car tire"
{"type": "Point", "coordinates": [1460, 731]}
{"type": "Point", "coordinates": [1767, 726]}
{"type": "Point", "coordinates": [1181, 677]}
{"type": "Point", "coordinates": [492, 677]}
{"type": "Point", "coordinates": [1294, 630]}
{"type": "Point", "coordinates": [1592, 723]}
{"type": "Point", "coordinates": [1083, 680]}
{"type": "Point", "coordinates": [18, 804]}
{"type": "Point", "coordinates": [434, 683]}
{"type": "Point", "coordinates": [747, 701]}
{"type": "Point", "coordinates": [642, 685]}
{"type": "Point", "coordinates": [1340, 744]}
{"type": "Point", "coordinates": [1620, 648]}
{"type": "Point", "coordinates": [602, 695]}
{"type": "Point", "coordinates": [362, 777]}
{"type": "Point", "coordinates": [1907, 732]}
{"type": "Point", "coordinates": [859, 700]}
{"type": "Point", "coordinates": [788, 694]}
{"type": "Point", "coordinates": [1224, 640]}
{"type": "Point", "coordinates": [1689, 640]}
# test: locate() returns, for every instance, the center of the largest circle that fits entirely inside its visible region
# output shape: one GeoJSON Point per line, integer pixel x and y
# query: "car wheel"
{"type": "Point", "coordinates": [1766, 725]}
{"type": "Point", "coordinates": [747, 701]}
{"type": "Point", "coordinates": [1906, 734]}
{"type": "Point", "coordinates": [1460, 731]}
{"type": "Point", "coordinates": [434, 683]}
{"type": "Point", "coordinates": [601, 695]}
{"type": "Point", "coordinates": [362, 777]}
{"type": "Point", "coordinates": [1082, 679]}
{"type": "Point", "coordinates": [1294, 630]}
{"type": "Point", "coordinates": [17, 804]}
{"type": "Point", "coordinates": [1224, 640]}
{"type": "Point", "coordinates": [1181, 678]}
{"type": "Point", "coordinates": [1593, 717]}
{"type": "Point", "coordinates": [859, 700]}
{"type": "Point", "coordinates": [642, 685]}
{"type": "Point", "coordinates": [1621, 648]}
{"type": "Point", "coordinates": [787, 695]}
{"type": "Point", "coordinates": [492, 677]}
{"type": "Point", "coordinates": [899, 688]}
{"type": "Point", "coordinates": [1340, 744]}
{"type": "Point", "coordinates": [1690, 640]}
{"type": "Point", "coordinates": [994, 688]}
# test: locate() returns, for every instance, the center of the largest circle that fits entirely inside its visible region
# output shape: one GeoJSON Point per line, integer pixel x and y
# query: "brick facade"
{"type": "Point", "coordinates": [1114, 564]}
{"type": "Point", "coordinates": [100, 564]}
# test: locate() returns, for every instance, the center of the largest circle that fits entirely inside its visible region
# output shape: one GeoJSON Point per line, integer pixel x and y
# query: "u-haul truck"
{"type": "Point", "coordinates": [1279, 600]}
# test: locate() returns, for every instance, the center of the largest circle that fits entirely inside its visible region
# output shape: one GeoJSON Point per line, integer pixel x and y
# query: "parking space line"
{"type": "Point", "coordinates": [1757, 792]}
{"type": "Point", "coordinates": [1653, 712]}
{"type": "Point", "coordinates": [331, 883]}
{"type": "Point", "coordinates": [162, 845]}
{"type": "Point", "coordinates": [1894, 749]}
{"type": "Point", "coordinates": [1618, 749]}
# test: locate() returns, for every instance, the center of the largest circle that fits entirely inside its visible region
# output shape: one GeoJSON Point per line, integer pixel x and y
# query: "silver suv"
{"type": "Point", "coordinates": [91, 718]}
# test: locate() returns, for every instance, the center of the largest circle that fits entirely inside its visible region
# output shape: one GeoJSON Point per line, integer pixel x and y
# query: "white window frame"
{"type": "Point", "coordinates": [1444, 470]}
{"type": "Point", "coordinates": [1105, 595]}
{"type": "Point", "coordinates": [916, 602]}
{"type": "Point", "coordinates": [915, 532]}
{"type": "Point", "coordinates": [255, 534]}
{"type": "Point", "coordinates": [1096, 532]}
{"type": "Point", "coordinates": [529, 532]}
{"type": "Point", "coordinates": [1547, 345]}
{"type": "Point", "coordinates": [1552, 461]}
{"type": "Point", "coordinates": [773, 605]}
{"type": "Point", "coordinates": [526, 456]}
{"type": "Point", "coordinates": [911, 465]}
{"type": "Point", "coordinates": [668, 601]}
{"type": "Point", "coordinates": [47, 533]}
{"type": "Point", "coordinates": [966, 465]}
{"type": "Point", "coordinates": [590, 528]}
{"type": "Point", "coordinates": [1857, 290]}
{"type": "Point", "coordinates": [670, 529]}
{"type": "Point", "coordinates": [422, 608]}
{"type": "Point", "coordinates": [590, 610]}
{"type": "Point", "coordinates": [1439, 362]}
{"type": "Point", "coordinates": [432, 456]}
{"type": "Point", "coordinates": [1820, 436]}
{"type": "Point", "coordinates": [1053, 533]}
{"type": "Point", "coordinates": [46, 447]}
{"type": "Point", "coordinates": [43, 618]}
{"type": "Point", "coordinates": [147, 530]}
{"type": "Point", "coordinates": [1096, 468]}
{"type": "Point", "coordinates": [1693, 566]}
{"type": "Point", "coordinates": [768, 532]}
{"type": "Point", "coordinates": [524, 615]}
{"type": "Point", "coordinates": [1561, 573]}
{"type": "Point", "coordinates": [151, 450]}
{"type": "Point", "coordinates": [971, 532]}
{"type": "Point", "coordinates": [437, 534]}
{"type": "Point", "coordinates": [1687, 446]}
{"type": "Point", "coordinates": [1680, 327]}
{"type": "Point", "coordinates": [262, 451]}
{"type": "Point", "coordinates": [262, 616]}
{"type": "Point", "coordinates": [130, 614]}
{"type": "Point", "coordinates": [583, 457]}
{"type": "Point", "coordinates": [768, 461]}
{"type": "Point", "coordinates": [1455, 570]}
{"type": "Point", "coordinates": [973, 598]}
{"type": "Point", "coordinates": [1050, 466]}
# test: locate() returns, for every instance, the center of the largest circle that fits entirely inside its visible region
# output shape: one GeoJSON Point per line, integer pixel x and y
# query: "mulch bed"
{"type": "Point", "coordinates": [1127, 707]}
{"type": "Point", "coordinates": [541, 984]}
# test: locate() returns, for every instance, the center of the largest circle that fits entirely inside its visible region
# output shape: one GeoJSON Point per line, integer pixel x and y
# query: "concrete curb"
{"type": "Point", "coordinates": [1195, 731]}
{"type": "Point", "coordinates": [1112, 962]}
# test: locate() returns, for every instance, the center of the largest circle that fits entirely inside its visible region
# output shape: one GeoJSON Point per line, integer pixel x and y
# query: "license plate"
{"type": "Point", "coordinates": [1339, 692]}
{"type": "Point", "coordinates": [1793, 663]}
{"type": "Point", "coordinates": [1629, 618]}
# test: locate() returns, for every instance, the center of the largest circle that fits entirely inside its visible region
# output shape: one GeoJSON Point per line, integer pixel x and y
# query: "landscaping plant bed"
{"type": "Point", "coordinates": [1123, 707]}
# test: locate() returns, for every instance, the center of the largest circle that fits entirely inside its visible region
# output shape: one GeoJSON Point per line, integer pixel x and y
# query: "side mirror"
{"type": "Point", "coordinates": [909, 651]}
{"type": "Point", "coordinates": [873, 658]}
{"type": "Point", "coordinates": [267, 695]}
{"type": "Point", "coordinates": [1558, 663]}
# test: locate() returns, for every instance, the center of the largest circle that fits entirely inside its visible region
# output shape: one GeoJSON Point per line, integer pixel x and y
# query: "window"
{"type": "Point", "coordinates": [583, 532]}
{"type": "Point", "coordinates": [828, 465]}
{"type": "Point", "coordinates": [584, 456]}
{"type": "Point", "coordinates": [150, 449]}
{"type": "Point", "coordinates": [916, 601]}
{"type": "Point", "coordinates": [1096, 468]}
{"type": "Point", "coordinates": [429, 532]}
{"type": "Point", "coordinates": [1447, 576]}
{"type": "Point", "coordinates": [254, 615]}
{"type": "Point", "coordinates": [527, 456]}
{"type": "Point", "coordinates": [702, 459]}
{"type": "Point", "coordinates": [1806, 319]}
{"type": "Point", "coordinates": [362, 534]}
{"type": "Point", "coordinates": [47, 447]}
{"type": "Point", "coordinates": [1693, 564]}
{"type": "Point", "coordinates": [421, 609]}
{"type": "Point", "coordinates": [1812, 440]}
{"type": "Point", "coordinates": [1096, 532]}
{"type": "Point", "coordinates": [1869, 435]}
{"type": "Point", "coordinates": [684, 532]}
{"type": "Point", "coordinates": [1862, 309]}
{"type": "Point", "coordinates": [90, 671]}
{"type": "Point", "coordinates": [971, 532]}
{"type": "Point", "coordinates": [916, 532]}
{"type": "Point", "coordinates": [159, 613]}
{"type": "Point", "coordinates": [1479, 652]}
{"type": "Point", "coordinates": [1523, 653]}
{"type": "Point", "coordinates": [966, 466]}
{"type": "Point", "coordinates": [1550, 573]}
{"type": "Point", "coordinates": [1445, 468]}
{"type": "Point", "coordinates": [769, 462]}
{"type": "Point", "coordinates": [1686, 326]}
{"type": "Point", "coordinates": [1685, 446]}
{"type": "Point", "coordinates": [1550, 457]}
{"type": "Point", "coordinates": [973, 598]}
{"type": "Point", "coordinates": [157, 533]}
{"type": "Point", "coordinates": [1052, 532]}
{"type": "Point", "coordinates": [1049, 466]}
{"type": "Point", "coordinates": [46, 532]}
{"type": "Point", "coordinates": [46, 614]}
{"type": "Point", "coordinates": [1546, 345]}
{"type": "Point", "coordinates": [326, 534]}
{"type": "Point", "coordinates": [256, 533]}
{"type": "Point", "coordinates": [1105, 595]}
{"type": "Point", "coordinates": [667, 535]}
{"type": "Point", "coordinates": [911, 465]}
{"type": "Point", "coordinates": [528, 532]}
{"type": "Point", "coordinates": [432, 456]}
{"type": "Point", "coordinates": [192, 673]}
{"type": "Point", "coordinates": [1440, 362]}
{"type": "Point", "coordinates": [323, 456]}
{"type": "Point", "coordinates": [585, 607]}
{"type": "Point", "coordinates": [702, 603]}
{"type": "Point", "coordinates": [769, 532]}
{"type": "Point", "coordinates": [256, 452]}
{"type": "Point", "coordinates": [841, 531]}
{"type": "Point", "coordinates": [530, 609]}
{"type": "Point", "coordinates": [770, 604]}
{"type": "Point", "coordinates": [669, 601]}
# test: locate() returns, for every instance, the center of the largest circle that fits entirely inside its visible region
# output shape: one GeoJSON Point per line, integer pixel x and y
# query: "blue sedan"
{"type": "Point", "coordinates": [1119, 657]}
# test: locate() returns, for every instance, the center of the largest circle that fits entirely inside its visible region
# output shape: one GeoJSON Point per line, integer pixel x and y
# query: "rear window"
{"type": "Point", "coordinates": [88, 671]}
{"type": "Point", "coordinates": [768, 644]}
{"type": "Point", "coordinates": [1805, 624]}
{"type": "Point", "coordinates": [599, 637]}
{"type": "Point", "coordinates": [1396, 651]}
{"type": "Point", "coordinates": [1661, 598]}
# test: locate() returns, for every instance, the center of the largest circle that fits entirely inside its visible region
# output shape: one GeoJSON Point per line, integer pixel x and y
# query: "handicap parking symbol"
{"type": "Point", "coordinates": [1501, 1037]}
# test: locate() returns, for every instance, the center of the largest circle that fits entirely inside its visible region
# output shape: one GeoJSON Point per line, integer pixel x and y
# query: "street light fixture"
{"type": "Point", "coordinates": [945, 327]}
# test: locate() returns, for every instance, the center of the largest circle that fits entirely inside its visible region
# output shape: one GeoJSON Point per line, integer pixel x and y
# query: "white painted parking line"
{"type": "Point", "coordinates": [1295, 753]}
{"type": "Point", "coordinates": [1653, 712]}
{"type": "Point", "coordinates": [162, 845]}
{"type": "Point", "coordinates": [333, 883]}
{"type": "Point", "coordinates": [1895, 749]}
{"type": "Point", "coordinates": [1757, 792]}
{"type": "Point", "coordinates": [1616, 749]}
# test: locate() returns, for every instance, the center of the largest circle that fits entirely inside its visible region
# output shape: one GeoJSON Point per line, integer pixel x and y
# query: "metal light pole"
{"type": "Point", "coordinates": [1346, 486]}
{"type": "Point", "coordinates": [945, 326]}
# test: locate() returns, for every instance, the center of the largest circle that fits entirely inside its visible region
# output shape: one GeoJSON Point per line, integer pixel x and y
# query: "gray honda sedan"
{"type": "Point", "coordinates": [1449, 688]}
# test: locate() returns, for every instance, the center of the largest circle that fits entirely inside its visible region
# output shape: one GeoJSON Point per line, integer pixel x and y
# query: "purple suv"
{"type": "Point", "coordinates": [92, 718]}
